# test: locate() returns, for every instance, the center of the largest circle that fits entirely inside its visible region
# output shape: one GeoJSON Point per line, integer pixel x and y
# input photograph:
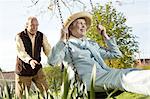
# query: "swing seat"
{"type": "Point", "coordinates": [104, 95]}
{"type": "Point", "coordinates": [98, 95]}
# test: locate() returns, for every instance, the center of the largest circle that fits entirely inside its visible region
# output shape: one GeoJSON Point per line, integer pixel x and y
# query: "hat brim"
{"type": "Point", "coordinates": [87, 16]}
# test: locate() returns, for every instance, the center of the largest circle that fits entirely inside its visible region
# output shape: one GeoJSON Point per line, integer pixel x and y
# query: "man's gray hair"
{"type": "Point", "coordinates": [30, 20]}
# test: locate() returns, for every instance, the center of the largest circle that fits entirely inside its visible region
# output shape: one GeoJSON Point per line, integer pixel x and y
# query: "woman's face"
{"type": "Point", "coordinates": [78, 28]}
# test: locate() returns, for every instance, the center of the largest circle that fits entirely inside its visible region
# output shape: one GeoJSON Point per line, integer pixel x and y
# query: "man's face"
{"type": "Point", "coordinates": [32, 26]}
{"type": "Point", "coordinates": [78, 28]}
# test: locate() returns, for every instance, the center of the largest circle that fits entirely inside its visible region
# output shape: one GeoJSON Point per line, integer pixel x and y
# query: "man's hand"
{"type": "Point", "coordinates": [33, 63]}
{"type": "Point", "coordinates": [102, 30]}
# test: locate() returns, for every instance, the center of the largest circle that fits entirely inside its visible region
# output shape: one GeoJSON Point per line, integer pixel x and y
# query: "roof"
{"type": "Point", "coordinates": [8, 75]}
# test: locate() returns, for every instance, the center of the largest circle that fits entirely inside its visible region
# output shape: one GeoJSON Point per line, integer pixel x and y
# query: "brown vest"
{"type": "Point", "coordinates": [25, 69]}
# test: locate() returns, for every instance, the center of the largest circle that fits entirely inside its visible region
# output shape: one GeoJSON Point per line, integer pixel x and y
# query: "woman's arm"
{"type": "Point", "coordinates": [112, 51]}
{"type": "Point", "coordinates": [58, 52]}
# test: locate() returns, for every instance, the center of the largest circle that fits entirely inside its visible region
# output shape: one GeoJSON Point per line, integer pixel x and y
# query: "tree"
{"type": "Point", "coordinates": [115, 23]}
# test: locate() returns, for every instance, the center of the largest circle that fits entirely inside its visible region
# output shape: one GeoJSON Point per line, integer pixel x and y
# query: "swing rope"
{"type": "Point", "coordinates": [60, 14]}
{"type": "Point", "coordinates": [77, 78]}
{"type": "Point", "coordinates": [96, 18]}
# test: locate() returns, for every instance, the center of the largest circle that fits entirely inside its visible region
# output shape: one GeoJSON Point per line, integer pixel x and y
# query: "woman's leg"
{"type": "Point", "coordinates": [137, 82]}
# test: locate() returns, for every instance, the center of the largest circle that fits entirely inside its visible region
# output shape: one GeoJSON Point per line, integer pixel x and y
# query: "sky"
{"type": "Point", "coordinates": [13, 15]}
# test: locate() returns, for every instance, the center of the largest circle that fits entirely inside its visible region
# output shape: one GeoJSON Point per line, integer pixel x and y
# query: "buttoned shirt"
{"type": "Point", "coordinates": [20, 50]}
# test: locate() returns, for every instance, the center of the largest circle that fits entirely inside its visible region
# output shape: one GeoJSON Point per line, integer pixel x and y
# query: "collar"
{"type": "Point", "coordinates": [28, 33]}
{"type": "Point", "coordinates": [80, 42]}
{"type": "Point", "coordinates": [74, 39]}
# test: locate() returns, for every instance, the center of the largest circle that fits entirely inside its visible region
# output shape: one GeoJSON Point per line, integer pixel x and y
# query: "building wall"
{"type": "Point", "coordinates": [142, 62]}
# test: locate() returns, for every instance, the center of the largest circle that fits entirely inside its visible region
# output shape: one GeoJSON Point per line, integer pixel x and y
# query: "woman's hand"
{"type": "Point", "coordinates": [102, 30]}
{"type": "Point", "coordinates": [64, 35]}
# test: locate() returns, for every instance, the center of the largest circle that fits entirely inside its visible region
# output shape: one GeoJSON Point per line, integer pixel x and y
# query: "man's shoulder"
{"type": "Point", "coordinates": [40, 32]}
{"type": "Point", "coordinates": [19, 33]}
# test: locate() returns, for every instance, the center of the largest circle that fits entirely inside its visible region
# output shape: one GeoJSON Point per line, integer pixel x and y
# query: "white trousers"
{"type": "Point", "coordinates": [137, 82]}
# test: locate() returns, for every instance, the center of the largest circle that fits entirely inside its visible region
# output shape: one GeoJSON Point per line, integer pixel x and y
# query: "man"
{"type": "Point", "coordinates": [82, 53]}
{"type": "Point", "coordinates": [29, 44]}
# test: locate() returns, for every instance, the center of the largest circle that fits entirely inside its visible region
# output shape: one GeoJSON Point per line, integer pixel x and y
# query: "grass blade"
{"type": "Point", "coordinates": [93, 76]}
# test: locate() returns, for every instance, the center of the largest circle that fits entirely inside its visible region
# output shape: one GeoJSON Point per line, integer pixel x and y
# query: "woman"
{"type": "Point", "coordinates": [83, 53]}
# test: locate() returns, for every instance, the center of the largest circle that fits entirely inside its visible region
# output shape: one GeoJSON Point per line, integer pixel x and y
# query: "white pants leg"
{"type": "Point", "coordinates": [137, 82]}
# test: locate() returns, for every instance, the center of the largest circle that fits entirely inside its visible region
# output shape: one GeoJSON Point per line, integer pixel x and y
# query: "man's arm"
{"type": "Point", "coordinates": [20, 50]}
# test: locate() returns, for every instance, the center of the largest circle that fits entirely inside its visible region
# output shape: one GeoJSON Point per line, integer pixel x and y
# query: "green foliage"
{"type": "Point", "coordinates": [72, 88]}
{"type": "Point", "coordinates": [69, 89]}
{"type": "Point", "coordinates": [144, 67]}
{"type": "Point", "coordinates": [127, 95]}
{"type": "Point", "coordinates": [115, 24]}
{"type": "Point", "coordinates": [65, 85]}
{"type": "Point", "coordinates": [54, 77]}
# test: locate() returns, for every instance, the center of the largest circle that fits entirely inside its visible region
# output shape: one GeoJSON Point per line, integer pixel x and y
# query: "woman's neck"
{"type": "Point", "coordinates": [73, 37]}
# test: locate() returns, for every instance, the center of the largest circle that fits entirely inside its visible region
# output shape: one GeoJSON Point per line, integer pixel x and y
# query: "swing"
{"type": "Point", "coordinates": [98, 95]}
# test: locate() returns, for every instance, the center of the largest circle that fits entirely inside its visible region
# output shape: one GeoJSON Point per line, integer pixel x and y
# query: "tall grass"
{"type": "Point", "coordinates": [70, 89]}
{"type": "Point", "coordinates": [5, 91]}
{"type": "Point", "coordinates": [93, 76]}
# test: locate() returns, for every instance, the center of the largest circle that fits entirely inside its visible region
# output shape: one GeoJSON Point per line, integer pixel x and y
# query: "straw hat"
{"type": "Point", "coordinates": [73, 17]}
